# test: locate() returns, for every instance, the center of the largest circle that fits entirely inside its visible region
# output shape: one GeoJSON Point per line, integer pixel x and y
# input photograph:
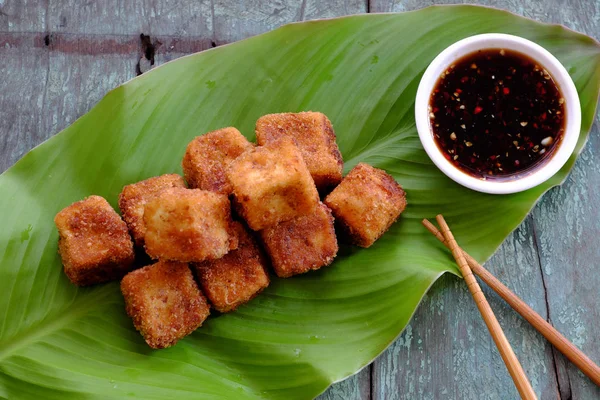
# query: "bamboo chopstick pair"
{"type": "Point", "coordinates": [466, 263]}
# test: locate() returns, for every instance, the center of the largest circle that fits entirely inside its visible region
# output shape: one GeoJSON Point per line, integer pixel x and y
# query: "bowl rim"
{"type": "Point", "coordinates": [509, 42]}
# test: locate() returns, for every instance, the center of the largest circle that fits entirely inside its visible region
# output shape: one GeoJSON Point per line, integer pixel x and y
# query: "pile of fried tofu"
{"type": "Point", "coordinates": [246, 208]}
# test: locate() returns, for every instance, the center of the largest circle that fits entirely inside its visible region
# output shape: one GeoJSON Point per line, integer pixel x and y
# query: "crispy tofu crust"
{"type": "Point", "coordinates": [93, 242]}
{"type": "Point", "coordinates": [366, 203]}
{"type": "Point", "coordinates": [208, 156]}
{"type": "Point", "coordinates": [134, 197]}
{"type": "Point", "coordinates": [164, 302]}
{"type": "Point", "coordinates": [313, 133]}
{"type": "Point", "coordinates": [271, 184]}
{"type": "Point", "coordinates": [188, 225]}
{"type": "Point", "coordinates": [236, 278]}
{"type": "Point", "coordinates": [302, 244]}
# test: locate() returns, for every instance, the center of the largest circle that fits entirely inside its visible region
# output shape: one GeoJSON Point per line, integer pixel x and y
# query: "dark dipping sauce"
{"type": "Point", "coordinates": [497, 114]}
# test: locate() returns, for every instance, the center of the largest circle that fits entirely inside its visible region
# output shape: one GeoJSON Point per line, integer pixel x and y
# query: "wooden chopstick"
{"type": "Point", "coordinates": [508, 355]}
{"type": "Point", "coordinates": [561, 343]}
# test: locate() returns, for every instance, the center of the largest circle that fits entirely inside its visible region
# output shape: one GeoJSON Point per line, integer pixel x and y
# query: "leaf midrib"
{"type": "Point", "coordinates": [51, 323]}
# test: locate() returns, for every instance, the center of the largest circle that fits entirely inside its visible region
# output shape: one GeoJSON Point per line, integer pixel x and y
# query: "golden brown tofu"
{"type": "Point", "coordinates": [164, 302]}
{"type": "Point", "coordinates": [208, 156]}
{"type": "Point", "coordinates": [188, 225]}
{"type": "Point", "coordinates": [237, 277]}
{"type": "Point", "coordinates": [302, 244]}
{"type": "Point", "coordinates": [366, 203]}
{"type": "Point", "coordinates": [93, 242]}
{"type": "Point", "coordinates": [271, 184]}
{"type": "Point", "coordinates": [134, 197]}
{"type": "Point", "coordinates": [313, 134]}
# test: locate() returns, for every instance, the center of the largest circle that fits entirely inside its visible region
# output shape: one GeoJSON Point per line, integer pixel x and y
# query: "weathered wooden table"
{"type": "Point", "coordinates": [58, 58]}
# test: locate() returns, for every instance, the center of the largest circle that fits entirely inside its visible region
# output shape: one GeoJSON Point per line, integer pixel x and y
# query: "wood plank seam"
{"type": "Point", "coordinates": [92, 44]}
{"type": "Point", "coordinates": [563, 389]}
{"type": "Point", "coordinates": [582, 21]}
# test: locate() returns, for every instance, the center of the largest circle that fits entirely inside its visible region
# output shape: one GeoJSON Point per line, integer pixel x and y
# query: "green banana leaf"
{"type": "Point", "coordinates": [58, 341]}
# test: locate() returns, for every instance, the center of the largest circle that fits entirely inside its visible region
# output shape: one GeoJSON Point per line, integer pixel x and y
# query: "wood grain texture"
{"type": "Point", "coordinates": [566, 230]}
{"type": "Point", "coordinates": [357, 387]}
{"type": "Point", "coordinates": [58, 58]}
{"type": "Point", "coordinates": [550, 262]}
{"type": "Point", "coordinates": [568, 349]}
{"type": "Point", "coordinates": [235, 20]}
{"type": "Point", "coordinates": [447, 353]}
{"type": "Point", "coordinates": [511, 361]}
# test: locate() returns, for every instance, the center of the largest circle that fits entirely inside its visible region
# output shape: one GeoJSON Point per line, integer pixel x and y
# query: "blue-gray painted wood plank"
{"type": "Point", "coordinates": [95, 46]}
{"type": "Point", "coordinates": [551, 262]}
{"type": "Point", "coordinates": [446, 352]}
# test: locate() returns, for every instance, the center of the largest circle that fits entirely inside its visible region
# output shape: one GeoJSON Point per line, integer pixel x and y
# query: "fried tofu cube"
{"type": "Point", "coordinates": [366, 203]}
{"type": "Point", "coordinates": [164, 302]}
{"type": "Point", "coordinates": [305, 243]}
{"type": "Point", "coordinates": [134, 197]}
{"type": "Point", "coordinates": [236, 278]}
{"type": "Point", "coordinates": [271, 184]}
{"type": "Point", "coordinates": [93, 242]}
{"type": "Point", "coordinates": [208, 156]}
{"type": "Point", "coordinates": [188, 225]}
{"type": "Point", "coordinates": [313, 133]}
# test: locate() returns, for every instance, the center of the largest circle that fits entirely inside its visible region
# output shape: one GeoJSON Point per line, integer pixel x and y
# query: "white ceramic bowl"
{"type": "Point", "coordinates": [501, 41]}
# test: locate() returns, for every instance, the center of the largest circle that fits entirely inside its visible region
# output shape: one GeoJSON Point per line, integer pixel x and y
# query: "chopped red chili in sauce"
{"type": "Point", "coordinates": [497, 114]}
